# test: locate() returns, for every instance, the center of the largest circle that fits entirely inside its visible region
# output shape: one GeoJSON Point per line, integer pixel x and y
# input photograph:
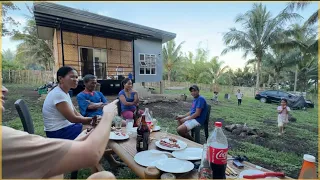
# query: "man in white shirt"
{"type": "Point", "coordinates": [239, 97]}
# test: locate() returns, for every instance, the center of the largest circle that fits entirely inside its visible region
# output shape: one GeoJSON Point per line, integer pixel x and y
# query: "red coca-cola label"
{"type": "Point", "coordinates": [217, 156]}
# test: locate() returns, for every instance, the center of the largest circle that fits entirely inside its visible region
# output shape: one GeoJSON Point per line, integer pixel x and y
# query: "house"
{"type": "Point", "coordinates": [106, 47]}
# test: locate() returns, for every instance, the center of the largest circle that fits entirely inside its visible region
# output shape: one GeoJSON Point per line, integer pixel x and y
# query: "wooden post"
{"type": "Point", "coordinates": [161, 87]}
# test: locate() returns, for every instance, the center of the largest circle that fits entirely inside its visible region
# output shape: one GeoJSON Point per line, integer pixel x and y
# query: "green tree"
{"type": "Point", "coordinates": [261, 30]}
{"type": "Point", "coordinates": [171, 56]}
{"type": "Point", "coordinates": [303, 39]}
{"type": "Point", "coordinates": [214, 71]}
{"type": "Point", "coordinates": [6, 19]}
{"type": "Point", "coordinates": [33, 50]}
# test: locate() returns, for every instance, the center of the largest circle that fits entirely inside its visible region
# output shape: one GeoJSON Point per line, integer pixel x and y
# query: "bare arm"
{"type": "Point", "coordinates": [90, 149]}
{"type": "Point", "coordinates": [136, 98]}
{"type": "Point", "coordinates": [70, 115]}
{"type": "Point", "coordinates": [196, 114]}
{"type": "Point", "coordinates": [95, 105]}
{"type": "Point", "coordinates": [123, 101]}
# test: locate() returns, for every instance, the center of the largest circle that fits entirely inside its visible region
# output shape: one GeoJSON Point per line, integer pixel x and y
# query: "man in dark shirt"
{"type": "Point", "coordinates": [195, 117]}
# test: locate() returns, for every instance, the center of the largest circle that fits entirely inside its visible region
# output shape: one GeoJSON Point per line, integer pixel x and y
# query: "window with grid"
{"type": "Point", "coordinates": [147, 64]}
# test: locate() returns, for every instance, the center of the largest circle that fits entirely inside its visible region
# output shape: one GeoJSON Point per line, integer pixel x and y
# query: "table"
{"type": "Point", "coordinates": [126, 150]}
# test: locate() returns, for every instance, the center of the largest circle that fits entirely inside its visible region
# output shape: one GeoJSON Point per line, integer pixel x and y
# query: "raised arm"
{"type": "Point", "coordinates": [91, 149]}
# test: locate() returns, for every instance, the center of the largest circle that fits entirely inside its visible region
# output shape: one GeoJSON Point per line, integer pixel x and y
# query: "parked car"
{"type": "Point", "coordinates": [274, 96]}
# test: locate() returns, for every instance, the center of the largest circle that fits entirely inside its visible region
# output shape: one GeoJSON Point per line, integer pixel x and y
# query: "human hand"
{"type": "Point", "coordinates": [111, 108]}
{"type": "Point", "coordinates": [178, 117]}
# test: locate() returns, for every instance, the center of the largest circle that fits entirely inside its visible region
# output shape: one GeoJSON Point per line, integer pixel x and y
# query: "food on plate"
{"type": "Point", "coordinates": [171, 144]}
{"type": "Point", "coordinates": [120, 134]}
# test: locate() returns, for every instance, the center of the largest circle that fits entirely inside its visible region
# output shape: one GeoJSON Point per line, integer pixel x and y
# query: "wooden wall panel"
{"type": "Point", "coordinates": [114, 44]}
{"type": "Point", "coordinates": [113, 56]}
{"type": "Point", "coordinates": [126, 57]}
{"type": "Point", "coordinates": [70, 38]}
{"type": "Point", "coordinates": [85, 40]}
{"type": "Point", "coordinates": [99, 42]}
{"type": "Point", "coordinates": [71, 52]}
{"type": "Point", "coordinates": [126, 46]}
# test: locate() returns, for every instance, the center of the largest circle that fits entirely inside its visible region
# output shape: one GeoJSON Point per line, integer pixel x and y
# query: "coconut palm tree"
{"type": "Point", "coordinates": [261, 30]}
{"type": "Point", "coordinates": [171, 56]}
{"type": "Point", "coordinates": [277, 61]}
{"type": "Point", "coordinates": [33, 49]}
{"type": "Point", "coordinates": [303, 39]}
{"type": "Point", "coordinates": [301, 5]}
{"type": "Point", "coordinates": [215, 69]}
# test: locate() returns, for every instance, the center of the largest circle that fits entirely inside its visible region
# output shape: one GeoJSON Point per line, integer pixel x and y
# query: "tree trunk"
{"type": "Point", "coordinates": [169, 76]}
{"type": "Point", "coordinates": [269, 80]}
{"type": "Point", "coordinates": [295, 78]}
{"type": "Point", "coordinates": [277, 81]}
{"type": "Point", "coordinates": [258, 74]}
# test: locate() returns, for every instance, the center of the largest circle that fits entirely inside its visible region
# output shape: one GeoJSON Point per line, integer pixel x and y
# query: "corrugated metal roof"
{"type": "Point", "coordinates": [54, 15]}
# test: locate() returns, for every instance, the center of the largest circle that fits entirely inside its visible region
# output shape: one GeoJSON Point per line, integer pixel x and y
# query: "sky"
{"type": "Point", "coordinates": [196, 23]}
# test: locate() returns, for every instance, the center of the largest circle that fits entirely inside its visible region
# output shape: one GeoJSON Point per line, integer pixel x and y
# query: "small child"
{"type": "Point", "coordinates": [215, 97]}
{"type": "Point", "coordinates": [239, 97]}
{"type": "Point", "coordinates": [283, 113]}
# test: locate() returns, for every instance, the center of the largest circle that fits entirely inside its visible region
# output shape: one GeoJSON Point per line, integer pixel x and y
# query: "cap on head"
{"type": "Point", "coordinates": [194, 87]}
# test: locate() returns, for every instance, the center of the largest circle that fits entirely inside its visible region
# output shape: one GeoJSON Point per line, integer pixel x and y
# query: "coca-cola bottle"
{"type": "Point", "coordinates": [218, 152]}
{"type": "Point", "coordinates": [143, 134]}
{"type": "Point", "coordinates": [204, 170]}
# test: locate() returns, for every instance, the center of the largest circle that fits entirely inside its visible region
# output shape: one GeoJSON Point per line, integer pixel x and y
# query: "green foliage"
{"type": "Point", "coordinates": [33, 51]}
{"type": "Point", "coordinates": [7, 20]}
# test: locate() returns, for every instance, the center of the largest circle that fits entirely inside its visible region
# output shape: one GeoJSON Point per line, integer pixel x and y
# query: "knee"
{"type": "Point", "coordinates": [102, 175]}
{"type": "Point", "coordinates": [127, 115]}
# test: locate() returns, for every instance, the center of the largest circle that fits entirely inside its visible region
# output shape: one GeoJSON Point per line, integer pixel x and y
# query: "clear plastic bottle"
{"type": "Point", "coordinates": [218, 152]}
{"type": "Point", "coordinates": [204, 170]}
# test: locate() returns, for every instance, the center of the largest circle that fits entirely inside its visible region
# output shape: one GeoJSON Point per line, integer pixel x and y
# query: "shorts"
{"type": "Point", "coordinates": [282, 121]}
{"type": "Point", "coordinates": [70, 132]}
{"type": "Point", "coordinates": [190, 124]}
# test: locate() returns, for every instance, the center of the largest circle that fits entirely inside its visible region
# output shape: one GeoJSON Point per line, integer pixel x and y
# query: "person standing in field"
{"type": "Point", "coordinates": [283, 114]}
{"type": "Point", "coordinates": [239, 97]}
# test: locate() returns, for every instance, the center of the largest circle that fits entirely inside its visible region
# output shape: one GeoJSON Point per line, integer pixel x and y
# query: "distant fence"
{"type": "Point", "coordinates": [247, 91]}
{"type": "Point", "coordinates": [26, 76]}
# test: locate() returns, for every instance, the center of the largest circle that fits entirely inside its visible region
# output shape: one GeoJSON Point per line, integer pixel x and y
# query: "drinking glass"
{"type": "Point", "coordinates": [129, 125]}
{"type": "Point", "coordinates": [118, 122]}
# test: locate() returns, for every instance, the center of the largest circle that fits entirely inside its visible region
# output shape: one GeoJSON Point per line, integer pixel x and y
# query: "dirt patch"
{"type": "Point", "coordinates": [26, 93]}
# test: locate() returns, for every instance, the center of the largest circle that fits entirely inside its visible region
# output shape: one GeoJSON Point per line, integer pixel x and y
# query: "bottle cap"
{"type": "Point", "coordinates": [218, 124]}
{"type": "Point", "coordinates": [309, 158]}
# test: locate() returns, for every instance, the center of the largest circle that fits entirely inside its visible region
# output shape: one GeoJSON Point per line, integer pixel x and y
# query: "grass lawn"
{"type": "Point", "coordinates": [283, 153]}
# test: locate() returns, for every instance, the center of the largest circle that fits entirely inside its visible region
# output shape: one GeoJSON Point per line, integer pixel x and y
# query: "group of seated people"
{"type": "Point", "coordinates": [63, 121]}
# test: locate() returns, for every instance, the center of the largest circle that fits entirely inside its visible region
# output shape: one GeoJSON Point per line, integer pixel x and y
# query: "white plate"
{"type": "Point", "coordinates": [173, 165]}
{"type": "Point", "coordinates": [253, 172]}
{"type": "Point", "coordinates": [188, 154]}
{"type": "Point", "coordinates": [113, 136]}
{"type": "Point", "coordinates": [146, 158]}
{"type": "Point", "coordinates": [182, 145]}
{"type": "Point", "coordinates": [156, 128]}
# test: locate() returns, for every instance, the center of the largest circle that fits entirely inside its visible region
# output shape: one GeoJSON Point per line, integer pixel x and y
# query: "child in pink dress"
{"type": "Point", "coordinates": [283, 112]}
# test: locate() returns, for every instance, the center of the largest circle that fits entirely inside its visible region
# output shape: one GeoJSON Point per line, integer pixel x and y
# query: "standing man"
{"type": "Point", "coordinates": [239, 97]}
{"type": "Point", "coordinates": [91, 102]}
{"type": "Point", "coordinates": [196, 116]}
